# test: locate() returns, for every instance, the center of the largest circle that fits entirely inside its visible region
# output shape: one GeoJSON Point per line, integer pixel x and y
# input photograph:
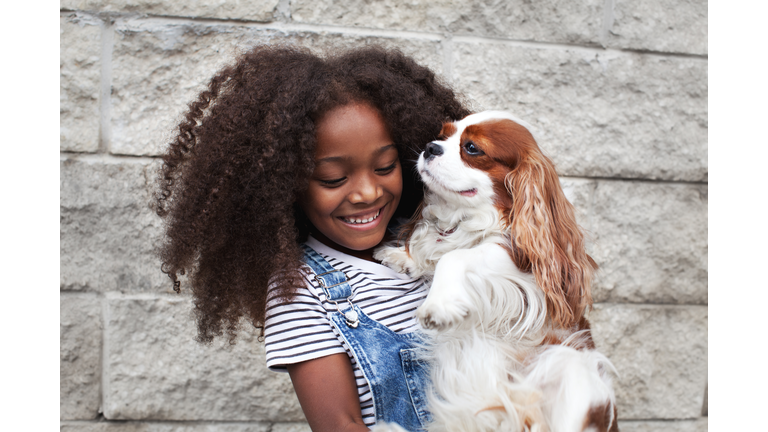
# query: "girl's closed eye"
{"type": "Point", "coordinates": [388, 169]}
{"type": "Point", "coordinates": [332, 182]}
{"type": "Point", "coordinates": [336, 182]}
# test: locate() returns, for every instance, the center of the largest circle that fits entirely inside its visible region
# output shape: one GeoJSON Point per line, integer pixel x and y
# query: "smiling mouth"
{"type": "Point", "coordinates": [358, 221]}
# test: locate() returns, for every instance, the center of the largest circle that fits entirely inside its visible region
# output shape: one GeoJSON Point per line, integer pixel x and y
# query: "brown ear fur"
{"type": "Point", "coordinates": [546, 239]}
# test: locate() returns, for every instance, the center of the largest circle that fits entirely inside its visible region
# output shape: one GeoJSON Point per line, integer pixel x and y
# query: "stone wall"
{"type": "Point", "coordinates": [617, 89]}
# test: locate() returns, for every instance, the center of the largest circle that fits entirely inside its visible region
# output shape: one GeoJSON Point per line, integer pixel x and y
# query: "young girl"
{"type": "Point", "coordinates": [282, 179]}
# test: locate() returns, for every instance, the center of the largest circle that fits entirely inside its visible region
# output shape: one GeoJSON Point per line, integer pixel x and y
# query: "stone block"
{"type": "Point", "coordinates": [660, 353]}
{"type": "Point", "coordinates": [291, 427]}
{"type": "Point", "coordinates": [579, 192]}
{"type": "Point", "coordinates": [80, 331]}
{"type": "Point", "coordinates": [650, 26]}
{"type": "Point", "coordinates": [142, 426]}
{"type": "Point", "coordinates": [159, 68]}
{"type": "Point", "coordinates": [650, 242]}
{"type": "Point", "coordinates": [598, 114]}
{"type": "Point", "coordinates": [548, 20]}
{"type": "Point", "coordinates": [255, 10]}
{"type": "Point", "coordinates": [80, 82]}
{"type": "Point", "coordinates": [108, 231]}
{"type": "Point", "coordinates": [698, 425]}
{"type": "Point", "coordinates": [157, 371]}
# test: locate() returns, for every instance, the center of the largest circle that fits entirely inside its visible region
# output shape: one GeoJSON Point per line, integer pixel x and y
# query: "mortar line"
{"type": "Point", "coordinates": [132, 18]}
{"type": "Point", "coordinates": [591, 49]}
{"type": "Point", "coordinates": [118, 295]}
{"type": "Point", "coordinates": [664, 305]}
{"type": "Point", "coordinates": [608, 6]}
{"type": "Point", "coordinates": [638, 180]}
{"type": "Point", "coordinates": [108, 157]}
{"type": "Point", "coordinates": [105, 103]}
{"type": "Point", "coordinates": [591, 230]}
{"type": "Point", "coordinates": [529, 43]}
{"type": "Point", "coordinates": [80, 294]}
{"type": "Point", "coordinates": [662, 420]}
{"type": "Point", "coordinates": [447, 44]}
{"type": "Point", "coordinates": [104, 388]}
{"type": "Point", "coordinates": [284, 10]}
{"type": "Point", "coordinates": [182, 422]}
{"type": "Point", "coordinates": [703, 57]}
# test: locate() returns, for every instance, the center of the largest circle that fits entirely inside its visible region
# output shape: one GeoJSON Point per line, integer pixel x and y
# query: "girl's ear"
{"type": "Point", "coordinates": [547, 241]}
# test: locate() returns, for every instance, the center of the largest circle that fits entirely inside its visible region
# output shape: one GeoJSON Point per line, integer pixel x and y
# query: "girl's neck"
{"type": "Point", "coordinates": [366, 254]}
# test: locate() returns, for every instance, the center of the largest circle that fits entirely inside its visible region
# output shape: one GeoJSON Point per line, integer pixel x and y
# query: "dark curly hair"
{"type": "Point", "coordinates": [244, 152]}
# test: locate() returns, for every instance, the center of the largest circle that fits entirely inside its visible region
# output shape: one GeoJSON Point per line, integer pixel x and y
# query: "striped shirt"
{"type": "Point", "coordinates": [301, 330]}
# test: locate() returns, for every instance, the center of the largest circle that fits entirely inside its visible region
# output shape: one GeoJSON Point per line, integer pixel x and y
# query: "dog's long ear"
{"type": "Point", "coordinates": [546, 239]}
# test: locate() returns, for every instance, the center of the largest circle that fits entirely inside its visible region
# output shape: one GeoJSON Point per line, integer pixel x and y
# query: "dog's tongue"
{"type": "Point", "coordinates": [469, 193]}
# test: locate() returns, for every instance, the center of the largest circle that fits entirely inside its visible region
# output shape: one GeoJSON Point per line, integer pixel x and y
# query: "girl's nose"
{"type": "Point", "coordinates": [366, 190]}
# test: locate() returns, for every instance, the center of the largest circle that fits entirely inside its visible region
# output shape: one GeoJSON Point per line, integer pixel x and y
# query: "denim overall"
{"type": "Point", "coordinates": [398, 381]}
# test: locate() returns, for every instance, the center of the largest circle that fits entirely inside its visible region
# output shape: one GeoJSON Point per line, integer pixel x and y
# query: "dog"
{"type": "Point", "coordinates": [510, 285]}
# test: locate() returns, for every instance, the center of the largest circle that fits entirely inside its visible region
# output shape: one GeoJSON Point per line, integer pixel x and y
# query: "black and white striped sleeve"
{"type": "Point", "coordinates": [297, 331]}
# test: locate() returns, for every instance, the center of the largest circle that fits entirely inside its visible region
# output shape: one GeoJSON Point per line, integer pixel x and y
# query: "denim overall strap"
{"type": "Point", "coordinates": [398, 379]}
{"type": "Point", "coordinates": [334, 284]}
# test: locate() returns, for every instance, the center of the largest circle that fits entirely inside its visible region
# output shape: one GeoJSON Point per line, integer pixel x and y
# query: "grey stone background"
{"type": "Point", "coordinates": [616, 88]}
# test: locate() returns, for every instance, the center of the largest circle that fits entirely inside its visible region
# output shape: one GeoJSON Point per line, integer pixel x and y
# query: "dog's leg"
{"type": "Point", "coordinates": [577, 389]}
{"type": "Point", "coordinates": [448, 301]}
{"type": "Point", "coordinates": [466, 278]}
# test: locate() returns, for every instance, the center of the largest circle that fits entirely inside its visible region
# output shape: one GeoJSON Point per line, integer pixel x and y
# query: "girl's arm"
{"type": "Point", "coordinates": [327, 392]}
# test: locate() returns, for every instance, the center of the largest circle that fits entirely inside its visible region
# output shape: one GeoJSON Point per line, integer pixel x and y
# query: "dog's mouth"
{"type": "Point", "coordinates": [467, 193]}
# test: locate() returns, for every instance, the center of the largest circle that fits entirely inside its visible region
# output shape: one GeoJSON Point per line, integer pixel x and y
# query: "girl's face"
{"type": "Point", "coordinates": [357, 182]}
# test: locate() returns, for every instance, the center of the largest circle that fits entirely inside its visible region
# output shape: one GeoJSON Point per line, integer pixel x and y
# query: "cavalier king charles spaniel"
{"type": "Point", "coordinates": [510, 345]}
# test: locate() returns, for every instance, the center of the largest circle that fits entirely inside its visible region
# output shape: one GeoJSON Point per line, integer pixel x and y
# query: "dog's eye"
{"type": "Point", "coordinates": [471, 149]}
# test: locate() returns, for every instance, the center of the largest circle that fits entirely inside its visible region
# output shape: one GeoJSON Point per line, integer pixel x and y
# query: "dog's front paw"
{"type": "Point", "coordinates": [440, 313]}
{"type": "Point", "coordinates": [395, 258]}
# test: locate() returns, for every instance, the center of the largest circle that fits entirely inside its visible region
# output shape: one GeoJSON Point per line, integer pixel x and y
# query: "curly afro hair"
{"type": "Point", "coordinates": [244, 152]}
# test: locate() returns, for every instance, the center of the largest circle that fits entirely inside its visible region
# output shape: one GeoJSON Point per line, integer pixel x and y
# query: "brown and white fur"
{"type": "Point", "coordinates": [510, 285]}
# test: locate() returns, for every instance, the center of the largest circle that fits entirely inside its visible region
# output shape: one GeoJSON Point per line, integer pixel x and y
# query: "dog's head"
{"type": "Point", "coordinates": [492, 158]}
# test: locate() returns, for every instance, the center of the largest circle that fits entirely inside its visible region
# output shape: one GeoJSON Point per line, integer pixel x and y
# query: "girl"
{"type": "Point", "coordinates": [280, 182]}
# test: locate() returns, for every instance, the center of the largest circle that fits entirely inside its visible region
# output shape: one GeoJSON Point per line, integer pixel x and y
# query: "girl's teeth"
{"type": "Point", "coordinates": [358, 221]}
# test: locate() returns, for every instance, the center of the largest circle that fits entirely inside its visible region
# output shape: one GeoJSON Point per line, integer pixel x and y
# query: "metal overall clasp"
{"type": "Point", "coordinates": [350, 315]}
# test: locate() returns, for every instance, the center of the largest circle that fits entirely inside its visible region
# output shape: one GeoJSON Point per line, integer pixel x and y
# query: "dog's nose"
{"type": "Point", "coordinates": [433, 149]}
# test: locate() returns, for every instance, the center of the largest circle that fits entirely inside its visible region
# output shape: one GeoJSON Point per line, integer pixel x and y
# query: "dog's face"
{"type": "Point", "coordinates": [493, 158]}
{"type": "Point", "coordinates": [470, 164]}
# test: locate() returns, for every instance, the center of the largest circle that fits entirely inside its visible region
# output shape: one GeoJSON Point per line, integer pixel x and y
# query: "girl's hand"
{"type": "Point", "coordinates": [327, 392]}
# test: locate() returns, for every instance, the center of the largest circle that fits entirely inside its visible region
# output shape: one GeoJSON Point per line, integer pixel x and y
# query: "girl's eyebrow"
{"type": "Point", "coordinates": [382, 149]}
